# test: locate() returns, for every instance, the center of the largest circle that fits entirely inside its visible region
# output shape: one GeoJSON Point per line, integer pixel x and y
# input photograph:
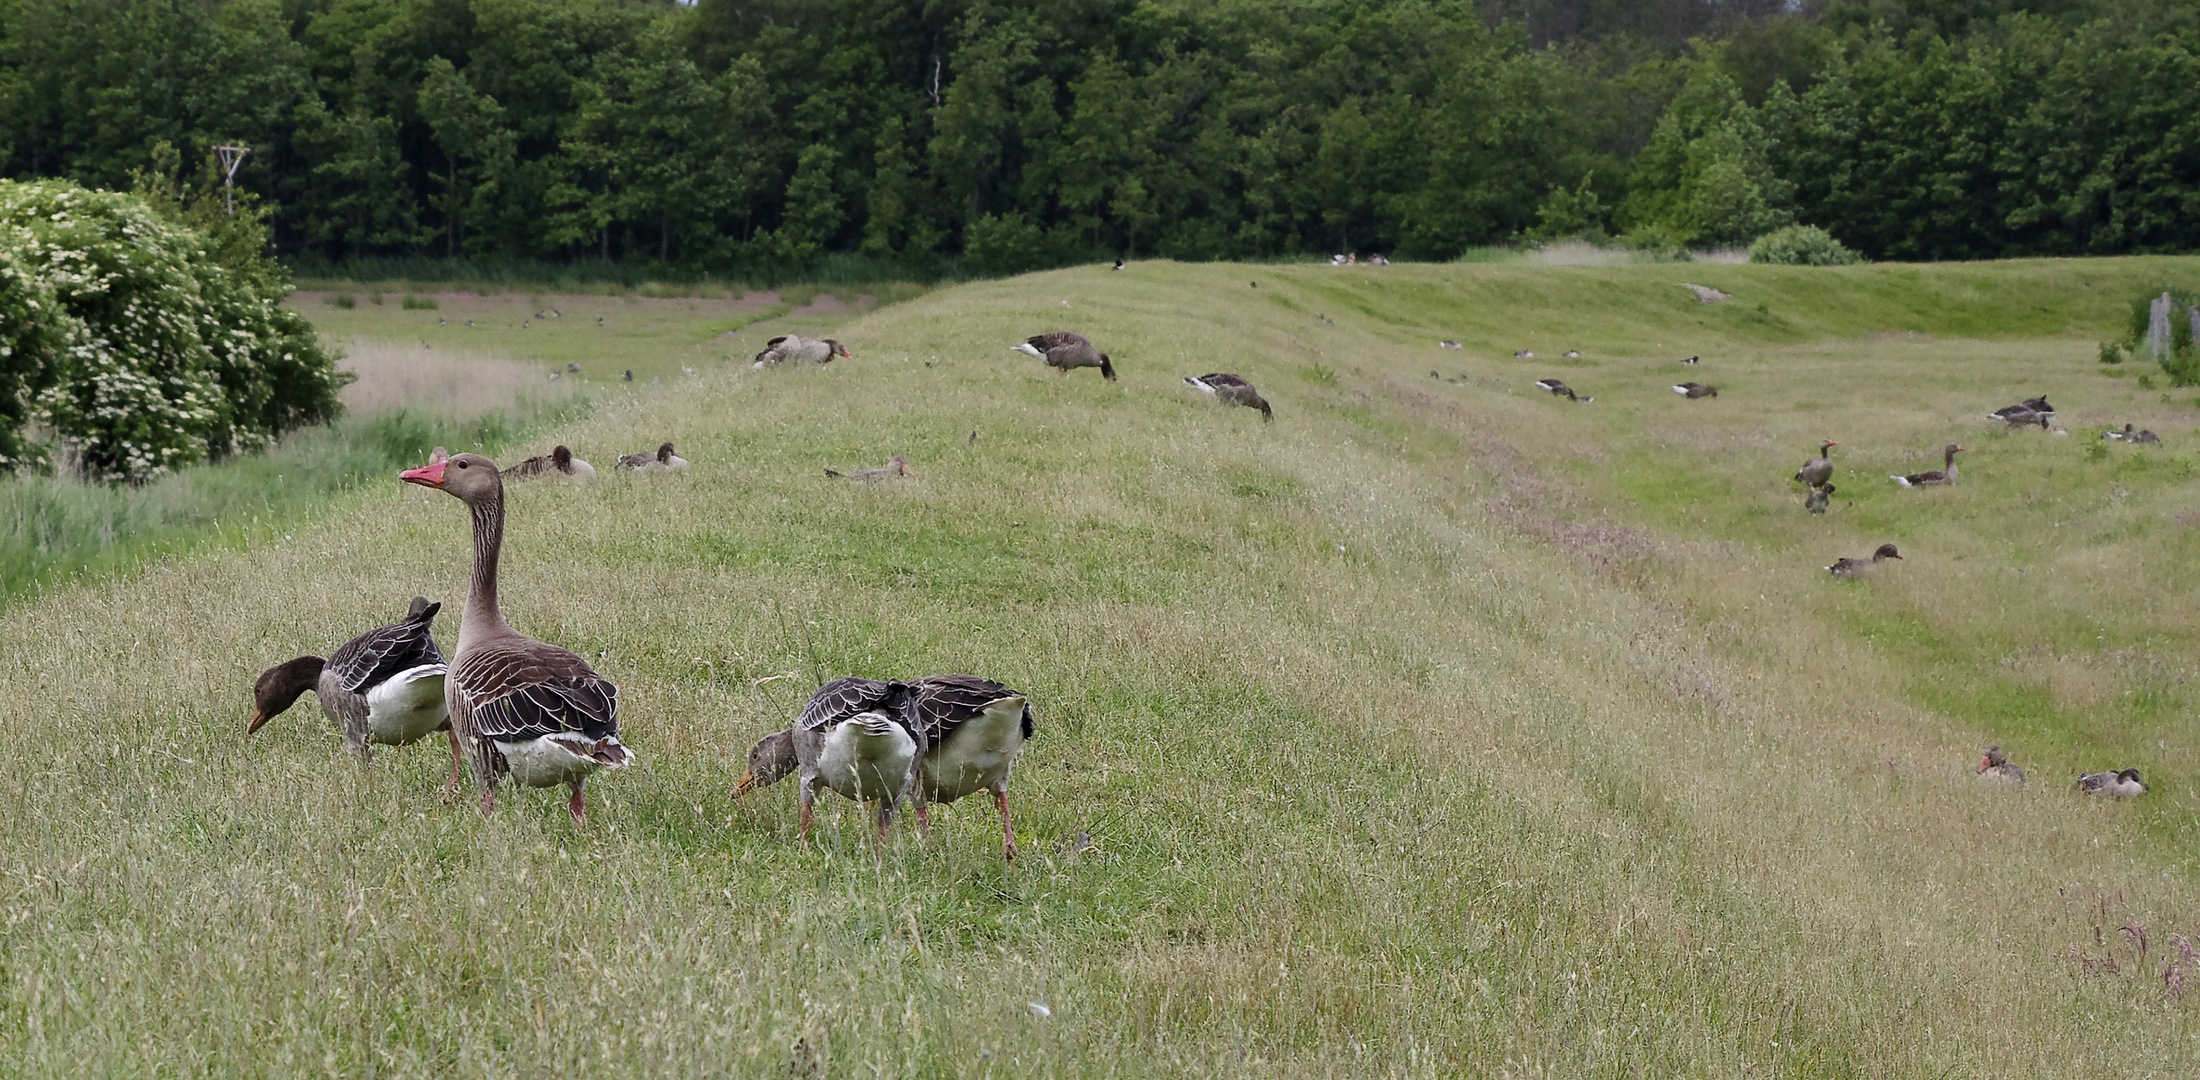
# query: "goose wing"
{"type": "Point", "coordinates": [1223, 380]}
{"type": "Point", "coordinates": [842, 698]}
{"type": "Point", "coordinates": [1059, 339]}
{"type": "Point", "coordinates": [526, 692]}
{"type": "Point", "coordinates": [945, 702]}
{"type": "Point", "coordinates": [366, 660]}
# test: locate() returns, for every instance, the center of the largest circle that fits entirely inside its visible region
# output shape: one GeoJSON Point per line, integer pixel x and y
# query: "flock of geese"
{"type": "Point", "coordinates": [1816, 476]}
{"type": "Point", "coordinates": [513, 706]}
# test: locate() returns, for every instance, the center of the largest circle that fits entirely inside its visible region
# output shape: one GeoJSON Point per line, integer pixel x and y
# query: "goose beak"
{"type": "Point", "coordinates": [258, 718]}
{"type": "Point", "coordinates": [429, 475]}
{"type": "Point", "coordinates": [747, 784]}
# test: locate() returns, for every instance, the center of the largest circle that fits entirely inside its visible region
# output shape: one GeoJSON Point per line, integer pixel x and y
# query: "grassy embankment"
{"type": "Point", "coordinates": [1437, 728]}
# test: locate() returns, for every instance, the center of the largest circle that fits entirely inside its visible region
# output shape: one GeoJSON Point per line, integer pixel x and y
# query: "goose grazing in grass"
{"type": "Point", "coordinates": [795, 349]}
{"type": "Point", "coordinates": [661, 459]}
{"type": "Point", "coordinates": [1693, 390]}
{"type": "Point", "coordinates": [2116, 785]}
{"type": "Point", "coordinates": [558, 462]}
{"type": "Point", "coordinates": [859, 737]}
{"type": "Point", "coordinates": [1852, 568]}
{"type": "Point", "coordinates": [1815, 502]}
{"type": "Point", "coordinates": [973, 730]}
{"type": "Point", "coordinates": [1995, 766]}
{"type": "Point", "coordinates": [1557, 388]}
{"type": "Point", "coordinates": [383, 687]}
{"type": "Point", "coordinates": [1232, 390]}
{"type": "Point", "coordinates": [522, 707]}
{"type": "Point", "coordinates": [1063, 350]}
{"type": "Point", "coordinates": [1573, 354]}
{"type": "Point", "coordinates": [1524, 354]}
{"type": "Point", "coordinates": [2021, 418]}
{"type": "Point", "coordinates": [1818, 470]}
{"type": "Point", "coordinates": [1946, 474]}
{"type": "Point", "coordinates": [1692, 361]}
{"type": "Point", "coordinates": [895, 467]}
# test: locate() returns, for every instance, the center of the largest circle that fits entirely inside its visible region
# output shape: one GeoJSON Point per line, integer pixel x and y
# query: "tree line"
{"type": "Point", "coordinates": [744, 137]}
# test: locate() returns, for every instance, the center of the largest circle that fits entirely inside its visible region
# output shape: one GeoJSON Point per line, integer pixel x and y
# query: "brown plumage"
{"type": "Point", "coordinates": [1232, 390]}
{"type": "Point", "coordinates": [1819, 469]}
{"type": "Point", "coordinates": [973, 731]}
{"type": "Point", "coordinates": [660, 460]}
{"type": "Point", "coordinates": [1846, 567]}
{"type": "Point", "coordinates": [558, 462]}
{"type": "Point", "coordinates": [383, 687]}
{"type": "Point", "coordinates": [859, 737]}
{"type": "Point", "coordinates": [1946, 474]}
{"type": "Point", "coordinates": [1693, 390]}
{"type": "Point", "coordinates": [521, 707]}
{"type": "Point", "coordinates": [1063, 350]}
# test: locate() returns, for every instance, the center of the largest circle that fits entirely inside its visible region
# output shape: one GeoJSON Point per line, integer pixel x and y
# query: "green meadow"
{"type": "Point", "coordinates": [1438, 728]}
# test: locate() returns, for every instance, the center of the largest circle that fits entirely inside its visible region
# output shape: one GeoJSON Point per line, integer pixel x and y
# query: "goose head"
{"type": "Point", "coordinates": [901, 466]}
{"type": "Point", "coordinates": [1825, 446]}
{"type": "Point", "coordinates": [279, 686]}
{"type": "Point", "coordinates": [562, 458]}
{"type": "Point", "coordinates": [1886, 551]}
{"type": "Point", "coordinates": [834, 348]}
{"type": "Point", "coordinates": [473, 479]}
{"type": "Point", "coordinates": [1994, 759]}
{"type": "Point", "coordinates": [770, 760]}
{"type": "Point", "coordinates": [664, 453]}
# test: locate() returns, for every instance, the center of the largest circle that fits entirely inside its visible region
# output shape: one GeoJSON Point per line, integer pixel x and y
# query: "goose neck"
{"type": "Point", "coordinates": [483, 617]}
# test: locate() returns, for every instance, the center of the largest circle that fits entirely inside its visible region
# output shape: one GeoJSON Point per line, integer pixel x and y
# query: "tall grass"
{"type": "Point", "coordinates": [1437, 728]}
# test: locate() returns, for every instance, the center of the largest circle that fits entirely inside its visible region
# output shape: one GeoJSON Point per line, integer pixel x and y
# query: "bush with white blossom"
{"type": "Point", "coordinates": [124, 342]}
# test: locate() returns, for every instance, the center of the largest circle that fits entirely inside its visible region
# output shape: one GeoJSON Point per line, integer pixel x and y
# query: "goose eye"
{"type": "Point", "coordinates": [463, 465]}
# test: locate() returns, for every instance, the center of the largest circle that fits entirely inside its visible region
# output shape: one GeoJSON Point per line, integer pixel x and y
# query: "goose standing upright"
{"type": "Point", "coordinates": [1946, 474]}
{"type": "Point", "coordinates": [1818, 470]}
{"type": "Point", "coordinates": [1063, 350]}
{"type": "Point", "coordinates": [859, 737]}
{"type": "Point", "coordinates": [1232, 390]}
{"type": "Point", "coordinates": [520, 706]}
{"type": "Point", "coordinates": [973, 730]}
{"type": "Point", "coordinates": [383, 687]}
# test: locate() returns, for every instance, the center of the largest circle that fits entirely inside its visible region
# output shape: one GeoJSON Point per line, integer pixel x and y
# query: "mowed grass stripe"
{"type": "Point", "coordinates": [1483, 790]}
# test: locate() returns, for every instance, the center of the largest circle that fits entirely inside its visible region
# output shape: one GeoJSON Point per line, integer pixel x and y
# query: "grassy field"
{"type": "Point", "coordinates": [1438, 728]}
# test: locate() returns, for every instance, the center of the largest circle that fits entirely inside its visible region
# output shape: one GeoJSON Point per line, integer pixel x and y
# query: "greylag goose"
{"type": "Point", "coordinates": [1573, 354]}
{"type": "Point", "coordinates": [1815, 502]}
{"type": "Point", "coordinates": [1063, 350]}
{"type": "Point", "coordinates": [1693, 390]}
{"type": "Point", "coordinates": [859, 737]}
{"type": "Point", "coordinates": [558, 462]}
{"type": "Point", "coordinates": [1850, 568]}
{"type": "Point", "coordinates": [1818, 470]}
{"type": "Point", "coordinates": [1692, 361]}
{"type": "Point", "coordinates": [2029, 405]}
{"type": "Point", "coordinates": [520, 706]}
{"type": "Point", "coordinates": [1996, 766]}
{"type": "Point", "coordinates": [383, 687]}
{"type": "Point", "coordinates": [1232, 390]}
{"type": "Point", "coordinates": [661, 459]}
{"type": "Point", "coordinates": [2021, 418]}
{"type": "Point", "coordinates": [1558, 388]}
{"type": "Point", "coordinates": [2116, 785]}
{"type": "Point", "coordinates": [895, 466]}
{"type": "Point", "coordinates": [973, 729]}
{"type": "Point", "coordinates": [1946, 474]}
{"type": "Point", "coordinates": [1524, 354]}
{"type": "Point", "coordinates": [2135, 437]}
{"type": "Point", "coordinates": [795, 349]}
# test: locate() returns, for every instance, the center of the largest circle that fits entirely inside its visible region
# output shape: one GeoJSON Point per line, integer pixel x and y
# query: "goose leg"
{"type": "Point", "coordinates": [809, 800]}
{"type": "Point", "coordinates": [578, 805]}
{"type": "Point", "coordinates": [488, 801]}
{"type": "Point", "coordinates": [450, 793]}
{"type": "Point", "coordinates": [1008, 832]}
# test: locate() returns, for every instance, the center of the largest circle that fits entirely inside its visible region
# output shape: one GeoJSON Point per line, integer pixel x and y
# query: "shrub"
{"type": "Point", "coordinates": [343, 300]}
{"type": "Point", "coordinates": [142, 353]}
{"type": "Point", "coordinates": [420, 303]}
{"type": "Point", "coordinates": [1801, 245]}
{"type": "Point", "coordinates": [2182, 364]}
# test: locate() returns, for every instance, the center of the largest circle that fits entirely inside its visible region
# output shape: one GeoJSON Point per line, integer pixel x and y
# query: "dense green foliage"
{"type": "Point", "coordinates": [756, 137]}
{"type": "Point", "coordinates": [131, 343]}
{"type": "Point", "coordinates": [1801, 245]}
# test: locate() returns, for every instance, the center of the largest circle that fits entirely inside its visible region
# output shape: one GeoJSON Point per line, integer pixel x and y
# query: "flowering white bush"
{"type": "Point", "coordinates": [132, 346]}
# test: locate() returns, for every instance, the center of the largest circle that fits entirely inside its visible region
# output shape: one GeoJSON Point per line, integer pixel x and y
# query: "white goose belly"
{"type": "Point", "coordinates": [551, 760]}
{"type": "Point", "coordinates": [407, 706]}
{"type": "Point", "coordinates": [864, 759]}
{"type": "Point", "coordinates": [978, 755]}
